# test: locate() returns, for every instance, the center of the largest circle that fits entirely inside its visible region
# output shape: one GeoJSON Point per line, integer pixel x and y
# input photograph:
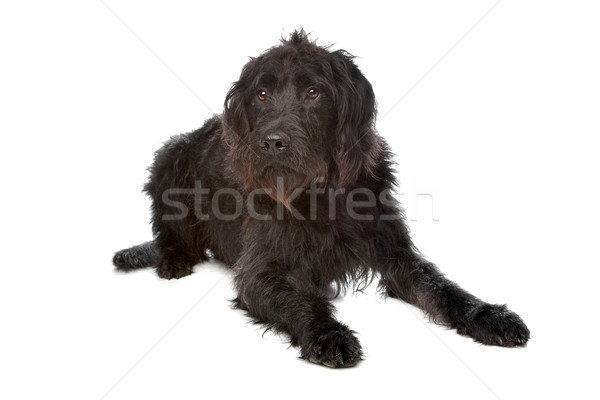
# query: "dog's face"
{"type": "Point", "coordinates": [300, 114]}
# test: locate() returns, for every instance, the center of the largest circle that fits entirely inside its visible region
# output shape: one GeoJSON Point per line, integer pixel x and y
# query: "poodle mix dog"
{"type": "Point", "coordinates": [291, 187]}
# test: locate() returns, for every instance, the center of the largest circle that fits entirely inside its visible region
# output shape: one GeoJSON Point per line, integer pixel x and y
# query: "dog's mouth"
{"type": "Point", "coordinates": [278, 167]}
{"type": "Point", "coordinates": [283, 183]}
{"type": "Point", "coordinates": [282, 180]}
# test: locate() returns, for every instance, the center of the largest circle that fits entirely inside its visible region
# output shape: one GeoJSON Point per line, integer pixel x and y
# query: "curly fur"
{"type": "Point", "coordinates": [279, 216]}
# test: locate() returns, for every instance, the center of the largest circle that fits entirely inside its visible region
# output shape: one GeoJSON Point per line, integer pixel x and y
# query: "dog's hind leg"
{"type": "Point", "coordinates": [171, 259]}
{"type": "Point", "coordinates": [177, 257]}
{"type": "Point", "coordinates": [141, 256]}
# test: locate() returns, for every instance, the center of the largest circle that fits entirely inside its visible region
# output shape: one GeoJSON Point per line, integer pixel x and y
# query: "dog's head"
{"type": "Point", "coordinates": [299, 114]}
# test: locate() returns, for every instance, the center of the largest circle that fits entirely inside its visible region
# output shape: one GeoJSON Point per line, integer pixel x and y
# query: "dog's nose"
{"type": "Point", "coordinates": [275, 143]}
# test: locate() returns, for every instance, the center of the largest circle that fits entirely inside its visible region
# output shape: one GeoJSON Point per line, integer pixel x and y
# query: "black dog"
{"type": "Point", "coordinates": [291, 187]}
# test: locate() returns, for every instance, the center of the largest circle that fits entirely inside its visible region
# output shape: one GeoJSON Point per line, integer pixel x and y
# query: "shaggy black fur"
{"type": "Point", "coordinates": [291, 187]}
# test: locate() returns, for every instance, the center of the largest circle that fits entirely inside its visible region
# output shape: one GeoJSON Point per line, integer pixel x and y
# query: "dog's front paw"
{"type": "Point", "coordinates": [333, 348]}
{"type": "Point", "coordinates": [494, 324]}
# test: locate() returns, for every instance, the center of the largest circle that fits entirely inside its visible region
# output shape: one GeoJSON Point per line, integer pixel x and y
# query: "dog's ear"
{"type": "Point", "coordinates": [235, 119]}
{"type": "Point", "coordinates": [357, 144]}
{"type": "Point", "coordinates": [237, 124]}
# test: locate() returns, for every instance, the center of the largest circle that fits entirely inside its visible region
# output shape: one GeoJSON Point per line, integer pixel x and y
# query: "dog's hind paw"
{"type": "Point", "coordinates": [334, 348]}
{"type": "Point", "coordinates": [494, 324]}
{"type": "Point", "coordinates": [175, 265]}
{"type": "Point", "coordinates": [173, 273]}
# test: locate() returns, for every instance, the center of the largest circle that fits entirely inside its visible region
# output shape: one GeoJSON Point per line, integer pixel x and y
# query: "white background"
{"type": "Point", "coordinates": [501, 132]}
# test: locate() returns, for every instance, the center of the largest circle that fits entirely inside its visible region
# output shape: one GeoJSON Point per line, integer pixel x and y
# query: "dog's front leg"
{"type": "Point", "coordinates": [405, 274]}
{"type": "Point", "coordinates": [419, 282]}
{"type": "Point", "coordinates": [296, 308]}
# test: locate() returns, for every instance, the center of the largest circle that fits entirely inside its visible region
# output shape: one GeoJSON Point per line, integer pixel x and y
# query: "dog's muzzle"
{"type": "Point", "coordinates": [274, 143]}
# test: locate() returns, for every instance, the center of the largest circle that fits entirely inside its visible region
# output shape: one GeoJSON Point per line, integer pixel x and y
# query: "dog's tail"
{"type": "Point", "coordinates": [141, 256]}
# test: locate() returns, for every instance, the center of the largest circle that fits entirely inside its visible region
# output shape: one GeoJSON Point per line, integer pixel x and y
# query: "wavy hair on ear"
{"type": "Point", "coordinates": [234, 116]}
{"type": "Point", "coordinates": [357, 144]}
{"type": "Point", "coordinates": [236, 129]}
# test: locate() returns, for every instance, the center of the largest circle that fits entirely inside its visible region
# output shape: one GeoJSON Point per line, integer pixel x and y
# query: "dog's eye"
{"type": "Point", "coordinates": [312, 93]}
{"type": "Point", "coordinates": [262, 95]}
